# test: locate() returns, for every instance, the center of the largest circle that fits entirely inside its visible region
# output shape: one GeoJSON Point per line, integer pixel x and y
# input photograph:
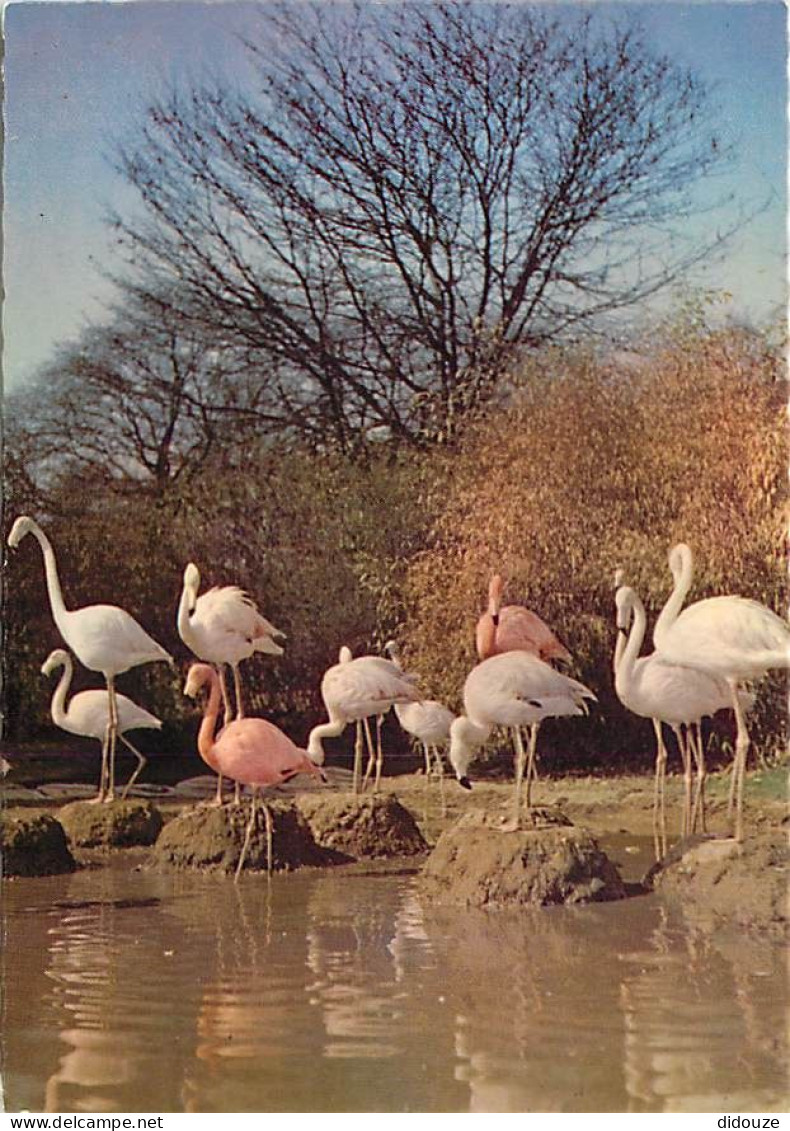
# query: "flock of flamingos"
{"type": "Point", "coordinates": [703, 655]}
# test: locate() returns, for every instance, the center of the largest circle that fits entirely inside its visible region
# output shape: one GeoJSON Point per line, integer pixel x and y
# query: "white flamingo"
{"type": "Point", "coordinates": [353, 690]}
{"type": "Point", "coordinates": [513, 689]}
{"type": "Point", "coordinates": [88, 714]}
{"type": "Point", "coordinates": [664, 692]}
{"type": "Point", "coordinates": [104, 638]}
{"type": "Point", "coordinates": [428, 721]}
{"type": "Point", "coordinates": [733, 637]}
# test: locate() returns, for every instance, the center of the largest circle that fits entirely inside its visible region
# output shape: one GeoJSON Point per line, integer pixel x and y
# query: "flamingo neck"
{"type": "Point", "coordinates": [54, 591]}
{"type": "Point", "coordinates": [315, 747]}
{"type": "Point", "coordinates": [465, 737]}
{"type": "Point", "coordinates": [58, 704]}
{"type": "Point", "coordinates": [208, 727]}
{"type": "Point", "coordinates": [671, 610]}
{"type": "Point", "coordinates": [486, 636]}
{"type": "Point", "coordinates": [183, 622]}
{"type": "Point", "coordinates": [624, 666]}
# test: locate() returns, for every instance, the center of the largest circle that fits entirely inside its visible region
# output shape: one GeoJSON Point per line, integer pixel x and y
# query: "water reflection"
{"type": "Point", "coordinates": [345, 992]}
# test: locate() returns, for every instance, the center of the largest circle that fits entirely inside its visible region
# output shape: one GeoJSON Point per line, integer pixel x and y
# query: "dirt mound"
{"type": "Point", "coordinates": [475, 863]}
{"type": "Point", "coordinates": [119, 824]}
{"type": "Point", "coordinates": [362, 827]}
{"type": "Point", "coordinates": [212, 839]}
{"type": "Point", "coordinates": [33, 844]}
{"type": "Point", "coordinates": [721, 882]}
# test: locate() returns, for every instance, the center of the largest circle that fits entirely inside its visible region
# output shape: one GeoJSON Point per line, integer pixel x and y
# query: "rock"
{"type": "Point", "coordinates": [33, 844]}
{"type": "Point", "coordinates": [362, 827]}
{"type": "Point", "coordinates": [725, 883]}
{"type": "Point", "coordinates": [475, 863]}
{"type": "Point", "coordinates": [212, 839]}
{"type": "Point", "coordinates": [118, 824]}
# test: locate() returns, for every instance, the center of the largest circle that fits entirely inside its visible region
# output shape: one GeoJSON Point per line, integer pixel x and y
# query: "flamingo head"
{"type": "Point", "coordinates": [680, 558]}
{"type": "Point", "coordinates": [619, 577]}
{"type": "Point", "coordinates": [197, 676]}
{"type": "Point", "coordinates": [495, 590]}
{"type": "Point", "coordinates": [392, 650]}
{"type": "Point", "coordinates": [57, 659]}
{"type": "Point", "coordinates": [624, 602]}
{"type": "Point", "coordinates": [192, 584]}
{"type": "Point", "coordinates": [21, 527]}
{"type": "Point", "coordinates": [461, 751]}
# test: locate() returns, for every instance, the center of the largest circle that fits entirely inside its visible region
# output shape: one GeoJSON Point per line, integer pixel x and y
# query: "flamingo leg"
{"type": "Point", "coordinates": [684, 744]}
{"type": "Point", "coordinates": [141, 762]}
{"type": "Point", "coordinates": [237, 688]}
{"type": "Point", "coordinates": [739, 763]}
{"type": "Point", "coordinates": [379, 753]}
{"type": "Point", "coordinates": [247, 836]}
{"type": "Point", "coordinates": [698, 748]}
{"type": "Point", "coordinates": [103, 772]}
{"type": "Point", "coordinates": [357, 757]}
{"type": "Point", "coordinates": [427, 754]}
{"type": "Point", "coordinates": [371, 754]}
{"type": "Point", "coordinates": [440, 770]}
{"type": "Point", "coordinates": [521, 756]}
{"type": "Point", "coordinates": [113, 734]}
{"type": "Point", "coordinates": [659, 813]}
{"type": "Point", "coordinates": [532, 773]}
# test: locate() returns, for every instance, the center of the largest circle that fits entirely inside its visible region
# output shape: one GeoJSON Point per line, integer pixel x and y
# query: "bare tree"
{"type": "Point", "coordinates": [416, 191]}
{"type": "Point", "coordinates": [140, 400]}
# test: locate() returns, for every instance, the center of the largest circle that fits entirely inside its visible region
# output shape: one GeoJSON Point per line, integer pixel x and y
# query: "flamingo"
{"type": "Point", "coordinates": [732, 637]}
{"type": "Point", "coordinates": [428, 721]}
{"type": "Point", "coordinates": [251, 751]}
{"type": "Point", "coordinates": [353, 690]}
{"type": "Point", "coordinates": [88, 714]}
{"type": "Point", "coordinates": [664, 692]}
{"type": "Point", "coordinates": [104, 638]}
{"type": "Point", "coordinates": [223, 626]}
{"type": "Point", "coordinates": [514, 628]}
{"type": "Point", "coordinates": [513, 689]}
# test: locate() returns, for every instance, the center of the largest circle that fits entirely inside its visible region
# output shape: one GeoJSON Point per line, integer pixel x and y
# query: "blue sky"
{"type": "Point", "coordinates": [79, 74]}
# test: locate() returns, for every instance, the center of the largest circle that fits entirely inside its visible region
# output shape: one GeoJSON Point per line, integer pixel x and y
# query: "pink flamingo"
{"type": "Point", "coordinates": [251, 751]}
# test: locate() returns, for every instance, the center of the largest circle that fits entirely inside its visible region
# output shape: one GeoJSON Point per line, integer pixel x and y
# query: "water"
{"type": "Point", "coordinates": [341, 991]}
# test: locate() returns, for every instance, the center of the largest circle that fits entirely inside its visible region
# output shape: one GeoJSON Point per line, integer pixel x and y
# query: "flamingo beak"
{"type": "Point", "coordinates": [465, 782]}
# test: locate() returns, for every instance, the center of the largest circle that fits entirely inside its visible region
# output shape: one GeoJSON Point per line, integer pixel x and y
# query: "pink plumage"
{"type": "Point", "coordinates": [514, 628]}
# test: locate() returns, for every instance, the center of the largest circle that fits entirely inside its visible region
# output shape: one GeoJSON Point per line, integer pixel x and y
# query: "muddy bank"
{"type": "Point", "coordinates": [33, 844]}
{"type": "Point", "coordinates": [362, 827]}
{"type": "Point", "coordinates": [119, 824]}
{"type": "Point", "coordinates": [476, 863]}
{"type": "Point", "coordinates": [211, 839]}
{"type": "Point", "coordinates": [720, 883]}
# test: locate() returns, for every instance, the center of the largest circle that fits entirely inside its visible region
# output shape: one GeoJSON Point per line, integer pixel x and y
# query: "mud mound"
{"type": "Point", "coordinates": [362, 827]}
{"type": "Point", "coordinates": [118, 824]}
{"type": "Point", "coordinates": [212, 839]}
{"type": "Point", "coordinates": [475, 863]}
{"type": "Point", "coordinates": [721, 882]}
{"type": "Point", "coordinates": [33, 845]}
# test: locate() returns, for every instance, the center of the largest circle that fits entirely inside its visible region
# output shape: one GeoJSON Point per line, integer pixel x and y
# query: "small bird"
{"type": "Point", "coordinates": [512, 628]}
{"type": "Point", "coordinates": [731, 637]}
{"type": "Point", "coordinates": [428, 721]}
{"type": "Point", "coordinates": [514, 689]}
{"type": "Point", "coordinates": [104, 638]}
{"type": "Point", "coordinates": [680, 696]}
{"type": "Point", "coordinates": [251, 751]}
{"type": "Point", "coordinates": [88, 714]}
{"type": "Point", "coordinates": [353, 690]}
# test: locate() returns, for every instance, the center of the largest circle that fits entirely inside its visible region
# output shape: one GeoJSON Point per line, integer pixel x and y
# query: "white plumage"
{"type": "Point", "coordinates": [88, 712]}
{"type": "Point", "coordinates": [104, 638]}
{"type": "Point", "coordinates": [353, 690]}
{"type": "Point", "coordinates": [732, 637]}
{"type": "Point", "coordinates": [680, 696]}
{"type": "Point", "coordinates": [513, 689]}
{"type": "Point", "coordinates": [428, 721]}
